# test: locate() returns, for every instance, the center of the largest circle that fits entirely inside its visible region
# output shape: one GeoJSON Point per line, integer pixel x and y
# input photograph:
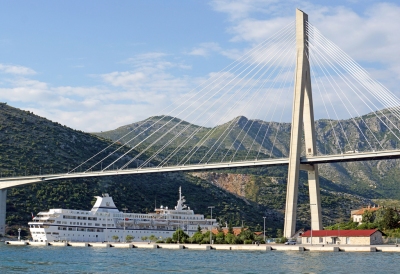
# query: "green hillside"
{"type": "Point", "coordinates": [244, 139]}
{"type": "Point", "coordinates": [31, 145]}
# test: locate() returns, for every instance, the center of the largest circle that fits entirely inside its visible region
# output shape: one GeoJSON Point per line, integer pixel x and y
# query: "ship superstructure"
{"type": "Point", "coordinates": [105, 221]}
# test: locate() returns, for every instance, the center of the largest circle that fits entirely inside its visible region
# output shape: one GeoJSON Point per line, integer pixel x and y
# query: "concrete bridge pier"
{"type": "Point", "coordinates": [302, 117]}
{"type": "Point", "coordinates": [3, 200]}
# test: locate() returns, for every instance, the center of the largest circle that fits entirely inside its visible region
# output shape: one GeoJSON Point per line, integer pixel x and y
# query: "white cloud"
{"type": "Point", "coordinates": [150, 82]}
{"type": "Point", "coordinates": [124, 78]}
{"type": "Point", "coordinates": [19, 70]}
{"type": "Point", "coordinates": [205, 49]}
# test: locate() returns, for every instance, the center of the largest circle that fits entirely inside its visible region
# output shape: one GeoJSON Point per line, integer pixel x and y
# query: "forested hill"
{"type": "Point", "coordinates": [30, 144]}
{"type": "Point", "coordinates": [372, 179]}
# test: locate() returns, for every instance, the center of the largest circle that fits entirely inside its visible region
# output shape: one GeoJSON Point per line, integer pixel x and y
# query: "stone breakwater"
{"type": "Point", "coordinates": [318, 248]}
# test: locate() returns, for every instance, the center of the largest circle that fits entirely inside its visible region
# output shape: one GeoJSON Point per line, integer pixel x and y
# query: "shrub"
{"type": "Point", "coordinates": [115, 238]}
{"type": "Point", "coordinates": [282, 240]}
{"type": "Point", "coordinates": [129, 238]}
{"type": "Point", "coordinates": [248, 242]}
{"type": "Point", "coordinates": [168, 240]}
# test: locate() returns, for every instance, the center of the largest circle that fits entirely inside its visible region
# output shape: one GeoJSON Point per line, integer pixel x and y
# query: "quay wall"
{"type": "Point", "coordinates": [261, 247]}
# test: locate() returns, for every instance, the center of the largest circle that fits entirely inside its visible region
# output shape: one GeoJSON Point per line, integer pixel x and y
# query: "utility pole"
{"type": "Point", "coordinates": [211, 207]}
{"type": "Point", "coordinates": [264, 228]}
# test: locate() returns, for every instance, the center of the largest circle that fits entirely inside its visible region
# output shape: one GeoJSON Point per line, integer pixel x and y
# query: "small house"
{"type": "Point", "coordinates": [343, 237]}
{"type": "Point", "coordinates": [356, 215]}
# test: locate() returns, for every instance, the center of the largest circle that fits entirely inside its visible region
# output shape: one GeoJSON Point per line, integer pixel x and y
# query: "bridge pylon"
{"type": "Point", "coordinates": [302, 116]}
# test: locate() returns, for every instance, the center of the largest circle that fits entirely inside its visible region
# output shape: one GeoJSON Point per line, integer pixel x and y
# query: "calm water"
{"type": "Point", "coordinates": [16, 259]}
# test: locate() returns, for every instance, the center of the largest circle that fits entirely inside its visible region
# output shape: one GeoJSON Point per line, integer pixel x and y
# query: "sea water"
{"type": "Point", "coordinates": [48, 259]}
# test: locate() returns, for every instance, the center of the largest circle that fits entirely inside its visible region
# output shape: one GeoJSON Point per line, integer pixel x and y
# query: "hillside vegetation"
{"type": "Point", "coordinates": [31, 145]}
{"type": "Point", "coordinates": [372, 179]}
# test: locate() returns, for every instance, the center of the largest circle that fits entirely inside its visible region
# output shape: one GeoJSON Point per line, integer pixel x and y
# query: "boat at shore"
{"type": "Point", "coordinates": [104, 221]}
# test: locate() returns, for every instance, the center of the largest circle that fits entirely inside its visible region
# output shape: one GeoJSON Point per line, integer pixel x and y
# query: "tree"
{"type": "Point", "coordinates": [129, 238]}
{"type": "Point", "coordinates": [230, 228]}
{"type": "Point", "coordinates": [389, 219]}
{"type": "Point", "coordinates": [368, 216]}
{"type": "Point", "coordinates": [197, 237]}
{"type": "Point", "coordinates": [115, 238]}
{"type": "Point", "coordinates": [246, 235]}
{"type": "Point", "coordinates": [230, 238]}
{"type": "Point", "coordinates": [153, 238]}
{"type": "Point", "coordinates": [144, 238]}
{"type": "Point", "coordinates": [179, 236]}
{"type": "Point", "coordinates": [220, 238]}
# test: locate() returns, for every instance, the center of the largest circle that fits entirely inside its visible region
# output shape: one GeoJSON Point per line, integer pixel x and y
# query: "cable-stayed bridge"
{"type": "Point", "coordinates": [305, 164]}
{"type": "Point", "coordinates": [260, 84]}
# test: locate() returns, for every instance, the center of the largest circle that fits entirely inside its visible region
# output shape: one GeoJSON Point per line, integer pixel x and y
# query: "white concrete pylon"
{"type": "Point", "coordinates": [302, 115]}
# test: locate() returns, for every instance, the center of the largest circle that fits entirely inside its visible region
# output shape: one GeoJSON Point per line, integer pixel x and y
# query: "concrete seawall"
{"type": "Point", "coordinates": [273, 247]}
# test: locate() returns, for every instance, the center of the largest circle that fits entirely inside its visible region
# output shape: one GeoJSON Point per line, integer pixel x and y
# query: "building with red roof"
{"type": "Point", "coordinates": [348, 237]}
{"type": "Point", "coordinates": [236, 230]}
{"type": "Point", "coordinates": [356, 215]}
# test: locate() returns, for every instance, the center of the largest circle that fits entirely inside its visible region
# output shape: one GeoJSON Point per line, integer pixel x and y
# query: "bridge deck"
{"type": "Point", "coordinates": [347, 157]}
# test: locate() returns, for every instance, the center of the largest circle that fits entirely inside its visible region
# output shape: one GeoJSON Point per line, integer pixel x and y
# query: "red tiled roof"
{"type": "Point", "coordinates": [236, 230]}
{"type": "Point", "coordinates": [362, 210]}
{"type": "Point", "coordinates": [340, 233]}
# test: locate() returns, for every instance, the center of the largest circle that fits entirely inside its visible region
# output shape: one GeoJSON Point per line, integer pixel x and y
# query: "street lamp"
{"type": "Point", "coordinates": [264, 228]}
{"type": "Point", "coordinates": [19, 234]}
{"type": "Point", "coordinates": [211, 207]}
{"type": "Point", "coordinates": [124, 209]}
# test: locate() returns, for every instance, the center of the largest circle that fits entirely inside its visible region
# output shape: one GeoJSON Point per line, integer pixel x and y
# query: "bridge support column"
{"type": "Point", "coordinates": [302, 113]}
{"type": "Point", "coordinates": [3, 200]}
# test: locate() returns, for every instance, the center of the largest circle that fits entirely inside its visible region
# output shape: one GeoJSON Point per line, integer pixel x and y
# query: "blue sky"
{"type": "Point", "coordinates": [97, 65]}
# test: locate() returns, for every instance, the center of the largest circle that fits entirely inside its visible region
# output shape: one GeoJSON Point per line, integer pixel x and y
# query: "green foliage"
{"type": "Point", "coordinates": [368, 216]}
{"type": "Point", "coordinates": [115, 238]}
{"type": "Point", "coordinates": [144, 238]}
{"type": "Point", "coordinates": [30, 144]}
{"type": "Point", "coordinates": [220, 238]}
{"type": "Point", "coordinates": [389, 219]}
{"type": "Point", "coordinates": [279, 233]}
{"type": "Point", "coordinates": [179, 236]}
{"type": "Point", "coordinates": [197, 237]}
{"type": "Point", "coordinates": [246, 234]}
{"type": "Point", "coordinates": [153, 238]}
{"type": "Point", "coordinates": [129, 238]}
{"type": "Point", "coordinates": [230, 238]}
{"type": "Point", "coordinates": [230, 228]}
{"type": "Point", "coordinates": [168, 240]}
{"type": "Point", "coordinates": [282, 240]}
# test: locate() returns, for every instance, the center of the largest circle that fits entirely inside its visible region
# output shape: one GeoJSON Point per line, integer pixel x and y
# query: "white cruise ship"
{"type": "Point", "coordinates": [105, 221]}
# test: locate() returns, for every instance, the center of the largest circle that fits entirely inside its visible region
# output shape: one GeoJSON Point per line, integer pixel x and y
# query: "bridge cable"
{"type": "Point", "coordinates": [202, 141]}
{"type": "Point", "coordinates": [282, 86]}
{"type": "Point", "coordinates": [323, 69]}
{"type": "Point", "coordinates": [259, 89]}
{"type": "Point", "coordinates": [232, 122]}
{"type": "Point", "coordinates": [164, 135]}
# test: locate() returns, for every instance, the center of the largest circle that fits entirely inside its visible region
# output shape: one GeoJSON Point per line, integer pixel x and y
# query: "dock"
{"type": "Point", "coordinates": [241, 247]}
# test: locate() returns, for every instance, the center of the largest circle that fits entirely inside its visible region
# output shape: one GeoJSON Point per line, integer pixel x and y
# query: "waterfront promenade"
{"type": "Point", "coordinates": [250, 247]}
